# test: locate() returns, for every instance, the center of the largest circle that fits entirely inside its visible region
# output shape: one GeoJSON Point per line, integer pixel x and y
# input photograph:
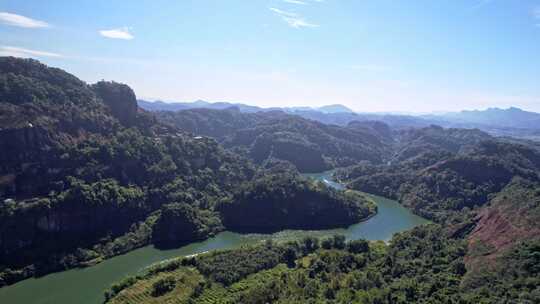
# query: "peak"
{"type": "Point", "coordinates": [200, 102]}
{"type": "Point", "coordinates": [496, 109]}
{"type": "Point", "coordinates": [120, 98]}
{"type": "Point", "coordinates": [335, 108]}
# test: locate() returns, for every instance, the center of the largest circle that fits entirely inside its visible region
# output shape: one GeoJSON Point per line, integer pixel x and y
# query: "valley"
{"type": "Point", "coordinates": [269, 152]}
{"type": "Point", "coordinates": [93, 188]}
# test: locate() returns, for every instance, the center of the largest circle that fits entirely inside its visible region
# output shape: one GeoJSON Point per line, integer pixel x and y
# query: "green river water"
{"type": "Point", "coordinates": [86, 285]}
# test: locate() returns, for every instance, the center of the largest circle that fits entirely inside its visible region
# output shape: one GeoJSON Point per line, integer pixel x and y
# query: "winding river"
{"type": "Point", "coordinates": [86, 285]}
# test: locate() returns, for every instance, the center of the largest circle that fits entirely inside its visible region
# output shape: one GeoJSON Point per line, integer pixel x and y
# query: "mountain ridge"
{"type": "Point", "coordinates": [513, 122]}
{"type": "Point", "coordinates": [85, 175]}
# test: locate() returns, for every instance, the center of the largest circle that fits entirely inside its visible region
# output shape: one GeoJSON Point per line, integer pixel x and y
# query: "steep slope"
{"type": "Point", "coordinates": [510, 221]}
{"type": "Point", "coordinates": [86, 175]}
{"type": "Point", "coordinates": [486, 193]}
{"type": "Point", "coordinates": [84, 172]}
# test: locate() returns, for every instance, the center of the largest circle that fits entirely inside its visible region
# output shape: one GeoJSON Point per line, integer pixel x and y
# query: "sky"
{"type": "Point", "coordinates": [370, 55]}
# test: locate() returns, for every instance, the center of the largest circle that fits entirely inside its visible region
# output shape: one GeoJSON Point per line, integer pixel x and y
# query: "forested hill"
{"type": "Point", "coordinates": [487, 194]}
{"type": "Point", "coordinates": [313, 146]}
{"type": "Point", "coordinates": [85, 174]}
{"type": "Point", "coordinates": [201, 104]}
{"type": "Point", "coordinates": [483, 248]}
{"type": "Point", "coordinates": [310, 145]}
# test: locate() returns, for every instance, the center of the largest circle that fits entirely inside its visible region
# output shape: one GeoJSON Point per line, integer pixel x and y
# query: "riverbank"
{"type": "Point", "coordinates": [86, 286]}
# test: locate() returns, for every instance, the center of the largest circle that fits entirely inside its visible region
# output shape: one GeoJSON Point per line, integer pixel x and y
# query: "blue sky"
{"type": "Point", "coordinates": [371, 55]}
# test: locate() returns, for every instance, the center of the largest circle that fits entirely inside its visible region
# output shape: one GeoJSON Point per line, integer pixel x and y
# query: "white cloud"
{"type": "Point", "coordinates": [302, 2]}
{"type": "Point", "coordinates": [292, 19]}
{"type": "Point", "coordinates": [21, 21]}
{"type": "Point", "coordinates": [282, 13]}
{"type": "Point", "coordinates": [295, 2]}
{"type": "Point", "coordinates": [25, 53]}
{"type": "Point", "coordinates": [119, 33]}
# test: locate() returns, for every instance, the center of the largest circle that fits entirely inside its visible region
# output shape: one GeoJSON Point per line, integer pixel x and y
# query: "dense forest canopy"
{"type": "Point", "coordinates": [512, 121]}
{"type": "Point", "coordinates": [482, 190]}
{"type": "Point", "coordinates": [423, 265]}
{"type": "Point", "coordinates": [86, 175]}
{"type": "Point", "coordinates": [278, 201]}
{"type": "Point", "coordinates": [310, 145]}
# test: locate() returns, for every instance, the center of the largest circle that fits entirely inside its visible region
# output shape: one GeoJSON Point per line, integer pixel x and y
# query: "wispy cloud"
{"type": "Point", "coordinates": [119, 33]}
{"type": "Point", "coordinates": [292, 19]}
{"type": "Point", "coordinates": [302, 2]}
{"type": "Point", "coordinates": [25, 53]}
{"type": "Point", "coordinates": [282, 13]}
{"type": "Point", "coordinates": [21, 21]}
{"type": "Point", "coordinates": [295, 2]}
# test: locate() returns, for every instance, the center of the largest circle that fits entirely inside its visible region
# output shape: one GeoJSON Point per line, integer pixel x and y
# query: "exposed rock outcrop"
{"type": "Point", "coordinates": [121, 100]}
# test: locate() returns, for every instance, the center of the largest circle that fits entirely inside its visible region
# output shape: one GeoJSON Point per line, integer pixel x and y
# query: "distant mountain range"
{"type": "Point", "coordinates": [511, 118]}
{"type": "Point", "coordinates": [501, 122]}
{"type": "Point", "coordinates": [336, 108]}
{"type": "Point", "coordinates": [201, 104]}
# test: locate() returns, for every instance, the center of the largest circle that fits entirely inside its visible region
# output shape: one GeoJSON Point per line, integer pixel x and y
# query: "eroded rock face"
{"type": "Point", "coordinates": [43, 224]}
{"type": "Point", "coordinates": [180, 223]}
{"type": "Point", "coordinates": [511, 218]}
{"type": "Point", "coordinates": [121, 100]}
{"type": "Point", "coordinates": [80, 167]}
{"type": "Point", "coordinates": [48, 223]}
{"type": "Point", "coordinates": [22, 150]}
{"type": "Point", "coordinates": [21, 145]}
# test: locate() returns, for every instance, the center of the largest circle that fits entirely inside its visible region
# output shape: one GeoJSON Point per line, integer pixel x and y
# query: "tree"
{"type": "Point", "coordinates": [290, 257]}
{"type": "Point", "coordinates": [310, 244]}
{"type": "Point", "coordinates": [358, 246]}
{"type": "Point", "coordinates": [163, 286]}
{"type": "Point", "coordinates": [339, 241]}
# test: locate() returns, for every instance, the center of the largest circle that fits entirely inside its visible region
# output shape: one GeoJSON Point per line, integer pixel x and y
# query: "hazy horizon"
{"type": "Point", "coordinates": [329, 104]}
{"type": "Point", "coordinates": [373, 56]}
